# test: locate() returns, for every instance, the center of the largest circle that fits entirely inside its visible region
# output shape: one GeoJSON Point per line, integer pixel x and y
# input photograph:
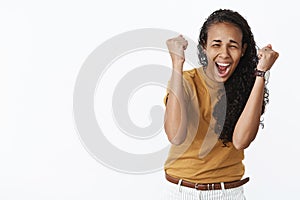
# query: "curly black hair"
{"type": "Point", "coordinates": [238, 87]}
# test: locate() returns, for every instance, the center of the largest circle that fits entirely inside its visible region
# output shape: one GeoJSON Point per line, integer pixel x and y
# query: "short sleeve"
{"type": "Point", "coordinates": [186, 86]}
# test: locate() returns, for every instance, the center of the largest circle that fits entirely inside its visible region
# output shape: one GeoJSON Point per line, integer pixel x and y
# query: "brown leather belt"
{"type": "Point", "coordinates": [210, 186]}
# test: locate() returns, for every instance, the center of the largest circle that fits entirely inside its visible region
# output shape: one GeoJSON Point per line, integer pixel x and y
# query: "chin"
{"type": "Point", "coordinates": [221, 77]}
{"type": "Point", "coordinates": [222, 80]}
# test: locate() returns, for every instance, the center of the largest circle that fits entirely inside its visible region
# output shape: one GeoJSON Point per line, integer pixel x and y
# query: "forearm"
{"type": "Point", "coordinates": [176, 114]}
{"type": "Point", "coordinates": [247, 125]}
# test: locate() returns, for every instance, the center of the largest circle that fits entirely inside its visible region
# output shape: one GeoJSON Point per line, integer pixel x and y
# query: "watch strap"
{"type": "Point", "coordinates": [258, 72]}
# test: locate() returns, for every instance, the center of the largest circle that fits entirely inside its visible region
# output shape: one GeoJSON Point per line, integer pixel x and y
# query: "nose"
{"type": "Point", "coordinates": [224, 53]}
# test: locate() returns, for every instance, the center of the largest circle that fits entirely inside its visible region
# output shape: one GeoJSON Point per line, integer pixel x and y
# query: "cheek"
{"type": "Point", "coordinates": [236, 57]}
{"type": "Point", "coordinates": [236, 62]}
{"type": "Point", "coordinates": [211, 55]}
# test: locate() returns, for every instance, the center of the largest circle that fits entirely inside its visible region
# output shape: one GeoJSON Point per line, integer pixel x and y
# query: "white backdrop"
{"type": "Point", "coordinates": [42, 48]}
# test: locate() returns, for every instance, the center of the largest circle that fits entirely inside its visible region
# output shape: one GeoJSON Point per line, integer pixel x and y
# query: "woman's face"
{"type": "Point", "coordinates": [223, 49]}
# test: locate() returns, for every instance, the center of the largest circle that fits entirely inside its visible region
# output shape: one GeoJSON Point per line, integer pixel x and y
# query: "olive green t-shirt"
{"type": "Point", "coordinates": [202, 157]}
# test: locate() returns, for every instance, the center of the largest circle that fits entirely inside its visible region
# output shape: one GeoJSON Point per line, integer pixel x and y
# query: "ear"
{"type": "Point", "coordinates": [244, 48]}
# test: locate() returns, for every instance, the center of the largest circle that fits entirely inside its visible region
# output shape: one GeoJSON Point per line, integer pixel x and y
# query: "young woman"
{"type": "Point", "coordinates": [213, 112]}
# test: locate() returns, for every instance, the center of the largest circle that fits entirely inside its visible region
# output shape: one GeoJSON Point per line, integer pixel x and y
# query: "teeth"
{"type": "Point", "coordinates": [223, 64]}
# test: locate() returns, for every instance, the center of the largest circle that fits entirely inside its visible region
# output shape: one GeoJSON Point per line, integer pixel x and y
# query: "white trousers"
{"type": "Point", "coordinates": [178, 192]}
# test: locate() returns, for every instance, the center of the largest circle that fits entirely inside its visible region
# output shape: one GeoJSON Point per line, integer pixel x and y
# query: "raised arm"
{"type": "Point", "coordinates": [176, 107]}
{"type": "Point", "coordinates": [247, 126]}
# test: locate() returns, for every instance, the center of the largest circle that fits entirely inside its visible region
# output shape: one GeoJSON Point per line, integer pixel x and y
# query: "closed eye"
{"type": "Point", "coordinates": [215, 45]}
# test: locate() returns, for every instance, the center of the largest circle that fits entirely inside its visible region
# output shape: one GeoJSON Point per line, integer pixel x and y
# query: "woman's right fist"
{"type": "Point", "coordinates": [176, 47]}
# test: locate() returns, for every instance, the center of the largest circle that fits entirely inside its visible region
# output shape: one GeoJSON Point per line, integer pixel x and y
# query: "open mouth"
{"type": "Point", "coordinates": [223, 68]}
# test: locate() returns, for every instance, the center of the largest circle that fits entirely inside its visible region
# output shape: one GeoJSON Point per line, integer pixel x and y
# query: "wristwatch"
{"type": "Point", "coordinates": [264, 74]}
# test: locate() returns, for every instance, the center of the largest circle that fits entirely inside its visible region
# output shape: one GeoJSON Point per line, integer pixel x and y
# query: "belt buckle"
{"type": "Point", "coordinates": [208, 186]}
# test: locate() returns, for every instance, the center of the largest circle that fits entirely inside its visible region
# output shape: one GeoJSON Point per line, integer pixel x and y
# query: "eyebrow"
{"type": "Point", "coordinates": [231, 41]}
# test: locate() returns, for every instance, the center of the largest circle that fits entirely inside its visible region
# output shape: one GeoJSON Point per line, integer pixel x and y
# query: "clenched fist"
{"type": "Point", "coordinates": [267, 56]}
{"type": "Point", "coordinates": [176, 47]}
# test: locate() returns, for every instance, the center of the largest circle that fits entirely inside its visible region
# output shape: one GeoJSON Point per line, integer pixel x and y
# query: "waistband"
{"type": "Point", "coordinates": [210, 186]}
